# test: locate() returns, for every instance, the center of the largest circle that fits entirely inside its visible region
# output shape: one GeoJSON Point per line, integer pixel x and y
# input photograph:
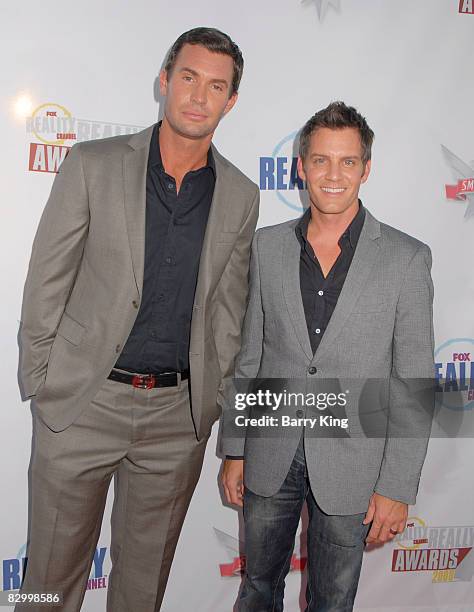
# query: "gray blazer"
{"type": "Point", "coordinates": [381, 328]}
{"type": "Point", "coordinates": [85, 279]}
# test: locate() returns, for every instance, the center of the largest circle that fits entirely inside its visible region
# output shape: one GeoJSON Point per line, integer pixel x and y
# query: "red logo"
{"type": "Point", "coordinates": [46, 157]}
{"type": "Point", "coordinates": [236, 555]}
{"type": "Point", "coordinates": [459, 191]}
{"type": "Point", "coordinates": [466, 7]}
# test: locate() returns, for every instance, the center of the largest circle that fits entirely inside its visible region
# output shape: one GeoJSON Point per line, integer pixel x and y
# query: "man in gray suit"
{"type": "Point", "coordinates": [131, 319]}
{"type": "Point", "coordinates": [333, 295]}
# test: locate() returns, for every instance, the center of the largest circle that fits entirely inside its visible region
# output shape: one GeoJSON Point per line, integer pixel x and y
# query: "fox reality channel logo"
{"type": "Point", "coordinates": [454, 373]}
{"type": "Point", "coordinates": [466, 7]}
{"type": "Point", "coordinates": [14, 570]}
{"type": "Point", "coordinates": [279, 173]}
{"type": "Point", "coordinates": [54, 130]}
{"type": "Point", "coordinates": [444, 551]}
{"type": "Point", "coordinates": [463, 174]}
{"type": "Point", "coordinates": [235, 565]}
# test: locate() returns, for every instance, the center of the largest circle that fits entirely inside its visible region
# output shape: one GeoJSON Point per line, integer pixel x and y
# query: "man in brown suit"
{"type": "Point", "coordinates": [131, 320]}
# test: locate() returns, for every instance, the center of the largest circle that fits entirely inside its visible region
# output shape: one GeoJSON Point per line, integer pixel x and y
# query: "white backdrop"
{"type": "Point", "coordinates": [407, 66]}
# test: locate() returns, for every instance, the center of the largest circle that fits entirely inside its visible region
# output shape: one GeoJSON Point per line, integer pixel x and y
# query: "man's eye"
{"type": "Point", "coordinates": [349, 162]}
{"type": "Point", "coordinates": [319, 160]}
{"type": "Point", "coordinates": [218, 87]}
{"type": "Point", "coordinates": [186, 77]}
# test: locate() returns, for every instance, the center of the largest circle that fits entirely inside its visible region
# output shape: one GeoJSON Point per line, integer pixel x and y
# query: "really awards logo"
{"type": "Point", "coordinates": [454, 373]}
{"type": "Point", "coordinates": [279, 173]}
{"type": "Point", "coordinates": [446, 552]}
{"type": "Point", "coordinates": [14, 569]}
{"type": "Point", "coordinates": [235, 564]}
{"type": "Point", "coordinates": [463, 173]}
{"type": "Point", "coordinates": [53, 130]}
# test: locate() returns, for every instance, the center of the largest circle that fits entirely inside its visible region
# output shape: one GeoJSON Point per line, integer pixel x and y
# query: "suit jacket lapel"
{"type": "Point", "coordinates": [364, 258]}
{"type": "Point", "coordinates": [134, 184]}
{"type": "Point", "coordinates": [292, 289]}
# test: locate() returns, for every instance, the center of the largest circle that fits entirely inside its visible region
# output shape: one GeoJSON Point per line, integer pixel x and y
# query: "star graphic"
{"type": "Point", "coordinates": [323, 5]}
{"type": "Point", "coordinates": [461, 170]}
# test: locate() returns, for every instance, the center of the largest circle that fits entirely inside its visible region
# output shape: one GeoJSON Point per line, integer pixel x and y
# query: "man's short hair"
{"type": "Point", "coordinates": [335, 117]}
{"type": "Point", "coordinates": [216, 42]}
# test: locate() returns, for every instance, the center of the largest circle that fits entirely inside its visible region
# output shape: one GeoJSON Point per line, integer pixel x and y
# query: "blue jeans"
{"type": "Point", "coordinates": [335, 548]}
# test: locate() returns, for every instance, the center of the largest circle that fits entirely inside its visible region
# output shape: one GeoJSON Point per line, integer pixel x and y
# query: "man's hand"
{"type": "Point", "coordinates": [233, 480]}
{"type": "Point", "coordinates": [388, 517]}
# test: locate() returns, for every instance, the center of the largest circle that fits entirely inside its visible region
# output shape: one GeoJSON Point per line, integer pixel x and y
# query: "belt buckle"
{"type": "Point", "coordinates": [143, 381]}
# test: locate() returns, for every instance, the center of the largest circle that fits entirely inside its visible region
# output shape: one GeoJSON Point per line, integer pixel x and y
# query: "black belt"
{"type": "Point", "coordinates": [149, 381]}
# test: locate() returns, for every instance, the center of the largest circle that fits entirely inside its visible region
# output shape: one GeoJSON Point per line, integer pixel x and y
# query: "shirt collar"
{"type": "Point", "coordinates": [353, 230]}
{"type": "Point", "coordinates": [154, 157]}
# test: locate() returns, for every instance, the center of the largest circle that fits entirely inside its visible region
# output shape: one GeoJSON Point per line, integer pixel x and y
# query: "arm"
{"type": "Point", "coordinates": [54, 263]}
{"type": "Point", "coordinates": [409, 405]}
{"type": "Point", "coordinates": [247, 362]}
{"type": "Point", "coordinates": [247, 366]}
{"type": "Point", "coordinates": [231, 297]}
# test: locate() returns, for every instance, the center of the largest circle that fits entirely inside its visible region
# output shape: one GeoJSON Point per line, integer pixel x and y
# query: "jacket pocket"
{"type": "Point", "coordinates": [71, 330]}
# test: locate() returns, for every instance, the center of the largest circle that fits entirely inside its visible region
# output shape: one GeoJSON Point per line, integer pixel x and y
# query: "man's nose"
{"type": "Point", "coordinates": [199, 93]}
{"type": "Point", "coordinates": [334, 171]}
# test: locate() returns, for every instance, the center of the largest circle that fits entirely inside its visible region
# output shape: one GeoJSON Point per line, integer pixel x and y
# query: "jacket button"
{"type": "Point", "coordinates": [135, 304]}
{"type": "Point", "coordinates": [117, 348]}
{"type": "Point", "coordinates": [312, 370]}
{"type": "Point", "coordinates": [299, 414]}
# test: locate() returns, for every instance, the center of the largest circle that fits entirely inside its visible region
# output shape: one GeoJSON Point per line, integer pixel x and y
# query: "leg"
{"type": "Point", "coordinates": [154, 485]}
{"type": "Point", "coordinates": [70, 476]}
{"type": "Point", "coordinates": [335, 548]}
{"type": "Point", "coordinates": [270, 529]}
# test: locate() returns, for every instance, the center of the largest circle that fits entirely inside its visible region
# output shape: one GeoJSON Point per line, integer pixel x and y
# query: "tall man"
{"type": "Point", "coordinates": [131, 318]}
{"type": "Point", "coordinates": [335, 294]}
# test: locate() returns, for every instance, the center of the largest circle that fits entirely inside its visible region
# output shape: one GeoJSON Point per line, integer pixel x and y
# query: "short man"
{"type": "Point", "coordinates": [131, 318]}
{"type": "Point", "coordinates": [333, 295]}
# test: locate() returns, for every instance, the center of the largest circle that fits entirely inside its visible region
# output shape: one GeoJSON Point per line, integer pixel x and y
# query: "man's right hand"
{"type": "Point", "coordinates": [233, 481]}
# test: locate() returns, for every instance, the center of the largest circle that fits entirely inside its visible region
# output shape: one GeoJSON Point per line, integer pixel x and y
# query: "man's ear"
{"type": "Point", "coordinates": [300, 168]}
{"type": "Point", "coordinates": [365, 176]}
{"type": "Point", "coordinates": [163, 82]}
{"type": "Point", "coordinates": [230, 103]}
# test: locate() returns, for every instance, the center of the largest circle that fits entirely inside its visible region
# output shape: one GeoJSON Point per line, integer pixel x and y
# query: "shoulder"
{"type": "Point", "coordinates": [397, 241]}
{"type": "Point", "coordinates": [271, 237]}
{"type": "Point", "coordinates": [235, 177]}
{"type": "Point", "coordinates": [116, 145]}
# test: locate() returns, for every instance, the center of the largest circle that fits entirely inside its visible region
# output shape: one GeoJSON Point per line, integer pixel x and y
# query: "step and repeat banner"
{"type": "Point", "coordinates": [80, 71]}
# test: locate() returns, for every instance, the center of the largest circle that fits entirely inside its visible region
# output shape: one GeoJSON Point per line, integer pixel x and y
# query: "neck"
{"type": "Point", "coordinates": [180, 154]}
{"type": "Point", "coordinates": [330, 227]}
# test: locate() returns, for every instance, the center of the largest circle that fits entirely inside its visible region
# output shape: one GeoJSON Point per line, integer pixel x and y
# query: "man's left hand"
{"type": "Point", "coordinates": [388, 517]}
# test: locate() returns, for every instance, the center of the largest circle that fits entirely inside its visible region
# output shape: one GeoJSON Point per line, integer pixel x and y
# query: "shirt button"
{"type": "Point", "coordinates": [299, 414]}
{"type": "Point", "coordinates": [312, 370]}
{"type": "Point", "coordinates": [317, 331]}
{"type": "Point", "coordinates": [170, 185]}
{"type": "Point", "coordinates": [117, 348]}
{"type": "Point", "coordinates": [135, 304]}
{"type": "Point", "coordinates": [169, 260]}
{"type": "Point", "coordinates": [320, 292]}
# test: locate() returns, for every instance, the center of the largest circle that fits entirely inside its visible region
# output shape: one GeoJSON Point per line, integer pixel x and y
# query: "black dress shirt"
{"type": "Point", "coordinates": [320, 294]}
{"type": "Point", "coordinates": [174, 234]}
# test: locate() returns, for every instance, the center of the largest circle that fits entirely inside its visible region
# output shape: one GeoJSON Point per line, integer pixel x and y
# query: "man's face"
{"type": "Point", "coordinates": [197, 91]}
{"type": "Point", "coordinates": [333, 169]}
